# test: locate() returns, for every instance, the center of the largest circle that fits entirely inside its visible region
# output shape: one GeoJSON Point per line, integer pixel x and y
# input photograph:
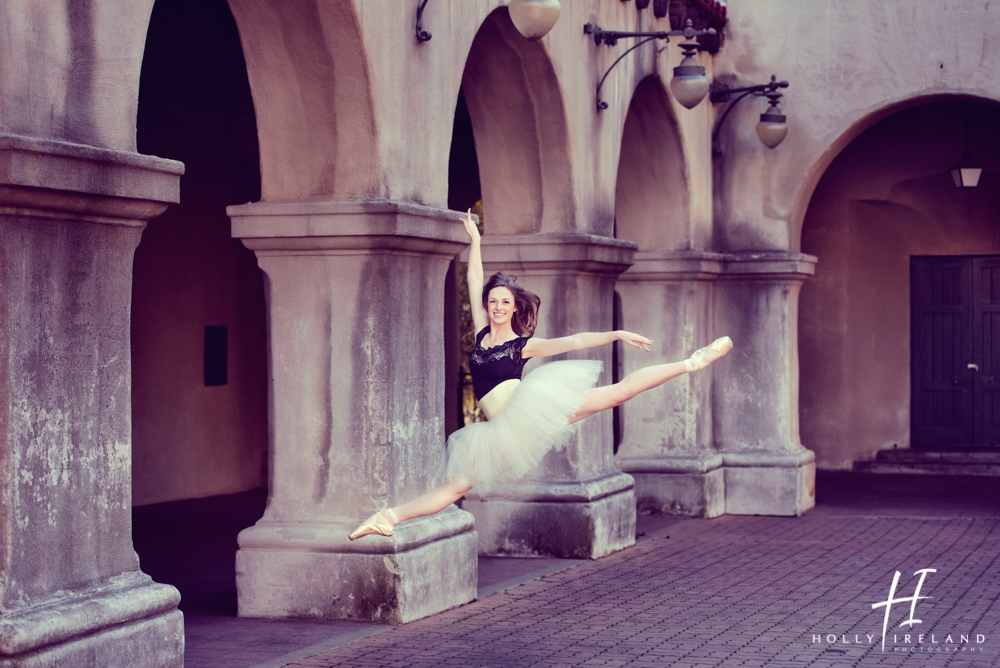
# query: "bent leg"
{"type": "Point", "coordinates": [433, 501]}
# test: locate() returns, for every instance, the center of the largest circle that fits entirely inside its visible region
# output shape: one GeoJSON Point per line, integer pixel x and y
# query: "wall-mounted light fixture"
{"type": "Point", "coordinates": [532, 18]}
{"type": "Point", "coordinates": [422, 35]}
{"type": "Point", "coordinates": [966, 171]}
{"type": "Point", "coordinates": [689, 84]}
{"type": "Point", "coordinates": [773, 125]}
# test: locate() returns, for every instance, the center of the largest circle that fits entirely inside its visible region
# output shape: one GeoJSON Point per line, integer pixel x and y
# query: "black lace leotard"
{"type": "Point", "coordinates": [491, 367]}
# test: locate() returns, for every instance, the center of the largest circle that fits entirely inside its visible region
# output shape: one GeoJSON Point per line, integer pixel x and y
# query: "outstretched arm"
{"type": "Point", "coordinates": [474, 278]}
{"type": "Point", "coordinates": [547, 347]}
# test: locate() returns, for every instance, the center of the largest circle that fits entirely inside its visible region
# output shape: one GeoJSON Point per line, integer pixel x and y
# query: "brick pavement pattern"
{"type": "Point", "coordinates": [733, 591]}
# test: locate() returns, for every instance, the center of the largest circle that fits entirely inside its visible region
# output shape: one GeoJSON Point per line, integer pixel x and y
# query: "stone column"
{"type": "Point", "coordinates": [667, 443]}
{"type": "Point", "coordinates": [355, 300]}
{"type": "Point", "coordinates": [71, 592]}
{"type": "Point", "coordinates": [578, 504]}
{"type": "Point", "coordinates": [755, 394]}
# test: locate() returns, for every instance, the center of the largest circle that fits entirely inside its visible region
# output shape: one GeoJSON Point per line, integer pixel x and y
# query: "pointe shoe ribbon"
{"type": "Point", "coordinates": [702, 357]}
{"type": "Point", "coordinates": [381, 523]}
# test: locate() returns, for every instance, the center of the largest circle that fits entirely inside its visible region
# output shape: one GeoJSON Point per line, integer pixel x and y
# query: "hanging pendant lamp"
{"type": "Point", "coordinates": [966, 171]}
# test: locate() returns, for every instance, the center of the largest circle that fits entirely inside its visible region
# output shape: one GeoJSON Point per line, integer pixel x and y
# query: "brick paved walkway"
{"type": "Point", "coordinates": [744, 591]}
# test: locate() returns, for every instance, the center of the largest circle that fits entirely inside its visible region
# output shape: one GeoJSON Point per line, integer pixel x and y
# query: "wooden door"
{"type": "Point", "coordinates": [986, 350]}
{"type": "Point", "coordinates": [955, 351]}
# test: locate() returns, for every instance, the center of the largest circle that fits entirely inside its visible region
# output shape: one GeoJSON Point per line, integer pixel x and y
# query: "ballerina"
{"type": "Point", "coordinates": [527, 418]}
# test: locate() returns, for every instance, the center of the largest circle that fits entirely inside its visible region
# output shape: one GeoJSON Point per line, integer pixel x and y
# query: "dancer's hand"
{"type": "Point", "coordinates": [635, 340]}
{"type": "Point", "coordinates": [470, 227]}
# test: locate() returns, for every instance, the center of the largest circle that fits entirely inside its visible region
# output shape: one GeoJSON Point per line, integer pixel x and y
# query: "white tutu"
{"type": "Point", "coordinates": [534, 421]}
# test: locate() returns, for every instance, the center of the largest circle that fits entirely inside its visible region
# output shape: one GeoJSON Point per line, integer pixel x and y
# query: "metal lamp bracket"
{"type": "Point", "coordinates": [719, 92]}
{"type": "Point", "coordinates": [611, 37]}
{"type": "Point", "coordinates": [422, 35]}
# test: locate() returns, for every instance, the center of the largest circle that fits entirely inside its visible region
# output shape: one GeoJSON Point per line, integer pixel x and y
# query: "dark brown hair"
{"type": "Point", "coordinates": [525, 303]}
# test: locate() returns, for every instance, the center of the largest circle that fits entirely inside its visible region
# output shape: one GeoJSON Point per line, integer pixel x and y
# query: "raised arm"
{"type": "Point", "coordinates": [475, 276]}
{"type": "Point", "coordinates": [547, 347]}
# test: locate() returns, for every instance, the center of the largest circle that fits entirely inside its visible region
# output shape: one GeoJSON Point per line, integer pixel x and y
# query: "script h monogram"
{"type": "Point", "coordinates": [912, 599]}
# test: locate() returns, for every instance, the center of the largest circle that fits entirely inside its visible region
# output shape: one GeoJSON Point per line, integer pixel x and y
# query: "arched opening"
{"type": "Point", "coordinates": [464, 193]}
{"type": "Point", "coordinates": [199, 360]}
{"type": "Point", "coordinates": [652, 205]}
{"type": "Point", "coordinates": [509, 163]}
{"type": "Point", "coordinates": [199, 397]}
{"type": "Point", "coordinates": [652, 208]}
{"type": "Point", "coordinates": [516, 111]}
{"type": "Point", "coordinates": [886, 201]}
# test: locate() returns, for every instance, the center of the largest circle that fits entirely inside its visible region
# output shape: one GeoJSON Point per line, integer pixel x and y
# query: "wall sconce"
{"type": "Point", "coordinates": [532, 18]}
{"type": "Point", "coordinates": [773, 125]}
{"type": "Point", "coordinates": [966, 171]}
{"type": "Point", "coordinates": [689, 84]}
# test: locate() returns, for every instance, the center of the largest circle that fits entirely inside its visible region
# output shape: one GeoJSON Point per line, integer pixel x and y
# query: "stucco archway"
{"type": "Point", "coordinates": [518, 118]}
{"type": "Point", "coordinates": [652, 203]}
{"type": "Point", "coordinates": [885, 198]}
{"type": "Point", "coordinates": [197, 296]}
{"type": "Point", "coordinates": [308, 71]}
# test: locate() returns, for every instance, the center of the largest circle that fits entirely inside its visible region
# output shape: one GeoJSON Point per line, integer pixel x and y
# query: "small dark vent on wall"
{"type": "Point", "coordinates": [216, 355]}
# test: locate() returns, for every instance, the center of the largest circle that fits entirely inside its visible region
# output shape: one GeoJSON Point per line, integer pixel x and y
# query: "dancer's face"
{"type": "Point", "coordinates": [500, 305]}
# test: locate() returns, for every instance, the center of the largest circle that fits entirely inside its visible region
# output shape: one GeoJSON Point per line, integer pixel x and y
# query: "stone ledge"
{"type": "Point", "coordinates": [763, 265]}
{"type": "Point", "coordinates": [331, 537]}
{"type": "Point", "coordinates": [124, 598]}
{"type": "Point", "coordinates": [318, 226]}
{"type": "Point", "coordinates": [52, 175]}
{"type": "Point", "coordinates": [670, 464]}
{"type": "Point", "coordinates": [409, 585]}
{"type": "Point", "coordinates": [153, 642]}
{"type": "Point", "coordinates": [545, 491]}
{"type": "Point", "coordinates": [674, 266]}
{"type": "Point", "coordinates": [768, 458]}
{"type": "Point", "coordinates": [556, 253]}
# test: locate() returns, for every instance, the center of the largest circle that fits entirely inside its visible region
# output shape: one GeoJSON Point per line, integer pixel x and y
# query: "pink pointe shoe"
{"type": "Point", "coordinates": [702, 357]}
{"type": "Point", "coordinates": [381, 523]}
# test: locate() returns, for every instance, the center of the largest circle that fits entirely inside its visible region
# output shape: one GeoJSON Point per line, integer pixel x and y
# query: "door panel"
{"type": "Point", "coordinates": [941, 348]}
{"type": "Point", "coordinates": [955, 349]}
{"type": "Point", "coordinates": [986, 339]}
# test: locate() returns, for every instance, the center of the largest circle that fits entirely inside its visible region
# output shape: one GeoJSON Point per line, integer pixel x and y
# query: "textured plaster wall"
{"type": "Point", "coordinates": [70, 70]}
{"type": "Point", "coordinates": [886, 197]}
{"type": "Point", "coordinates": [350, 105]}
{"type": "Point", "coordinates": [848, 64]}
{"type": "Point", "coordinates": [190, 440]}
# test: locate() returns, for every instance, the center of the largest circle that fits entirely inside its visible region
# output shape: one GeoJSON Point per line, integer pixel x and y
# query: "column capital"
{"type": "Point", "coordinates": [56, 179]}
{"type": "Point", "coordinates": [768, 265]}
{"type": "Point", "coordinates": [675, 265]}
{"type": "Point", "coordinates": [557, 253]}
{"type": "Point", "coordinates": [331, 227]}
{"type": "Point", "coordinates": [698, 265]}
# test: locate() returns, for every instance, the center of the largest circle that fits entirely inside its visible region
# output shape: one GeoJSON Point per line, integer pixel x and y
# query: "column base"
{"type": "Point", "coordinates": [128, 621]}
{"type": "Point", "coordinates": [570, 520]}
{"type": "Point", "coordinates": [769, 483]}
{"type": "Point", "coordinates": [688, 486]}
{"type": "Point", "coordinates": [311, 570]}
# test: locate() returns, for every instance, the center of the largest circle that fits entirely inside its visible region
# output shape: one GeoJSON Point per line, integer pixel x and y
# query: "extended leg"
{"type": "Point", "coordinates": [432, 502]}
{"type": "Point", "coordinates": [609, 396]}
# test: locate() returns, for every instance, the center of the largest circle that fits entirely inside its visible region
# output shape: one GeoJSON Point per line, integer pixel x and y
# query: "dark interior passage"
{"type": "Point", "coordinates": [199, 398]}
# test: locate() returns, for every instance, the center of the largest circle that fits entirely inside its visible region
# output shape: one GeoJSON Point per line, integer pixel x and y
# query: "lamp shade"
{"type": "Point", "coordinates": [534, 18]}
{"type": "Point", "coordinates": [966, 172]}
{"type": "Point", "coordinates": [689, 85]}
{"type": "Point", "coordinates": [773, 127]}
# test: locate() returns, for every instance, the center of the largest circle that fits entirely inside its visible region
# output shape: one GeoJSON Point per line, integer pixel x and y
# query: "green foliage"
{"type": "Point", "coordinates": [467, 338]}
